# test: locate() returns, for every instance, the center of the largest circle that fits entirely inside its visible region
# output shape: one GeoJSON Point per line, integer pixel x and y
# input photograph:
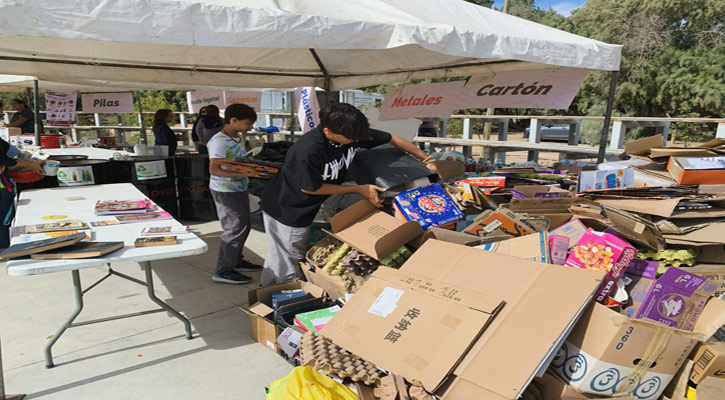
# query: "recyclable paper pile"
{"type": "Point", "coordinates": [520, 282]}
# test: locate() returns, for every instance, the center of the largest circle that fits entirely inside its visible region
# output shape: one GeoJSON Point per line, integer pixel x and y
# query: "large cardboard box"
{"type": "Point", "coordinates": [534, 247]}
{"type": "Point", "coordinates": [543, 302]}
{"type": "Point", "coordinates": [704, 170]}
{"type": "Point", "coordinates": [372, 231]}
{"type": "Point", "coordinates": [411, 325]}
{"type": "Point", "coordinates": [261, 313]}
{"type": "Point", "coordinates": [610, 353]}
{"type": "Point", "coordinates": [709, 361]}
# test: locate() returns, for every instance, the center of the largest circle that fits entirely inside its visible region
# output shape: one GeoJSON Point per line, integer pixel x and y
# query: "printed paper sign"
{"type": "Point", "coordinates": [202, 98]}
{"type": "Point", "coordinates": [121, 102]}
{"type": "Point", "coordinates": [308, 108]}
{"type": "Point", "coordinates": [252, 99]}
{"type": "Point", "coordinates": [427, 100]}
{"type": "Point", "coordinates": [150, 170]}
{"type": "Point", "coordinates": [75, 176]}
{"type": "Point", "coordinates": [60, 108]}
{"type": "Point", "coordinates": [552, 89]}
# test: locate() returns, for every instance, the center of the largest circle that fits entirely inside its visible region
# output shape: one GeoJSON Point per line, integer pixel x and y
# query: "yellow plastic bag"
{"type": "Point", "coordinates": [304, 383]}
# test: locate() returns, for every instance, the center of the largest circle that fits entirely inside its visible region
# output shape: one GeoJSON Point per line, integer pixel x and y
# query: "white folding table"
{"type": "Point", "coordinates": [78, 203]}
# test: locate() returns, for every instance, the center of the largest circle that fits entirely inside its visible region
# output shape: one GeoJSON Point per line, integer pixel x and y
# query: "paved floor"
{"type": "Point", "coordinates": [143, 357]}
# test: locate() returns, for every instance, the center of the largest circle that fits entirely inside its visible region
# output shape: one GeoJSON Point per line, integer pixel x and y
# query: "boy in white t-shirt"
{"type": "Point", "coordinates": [229, 190]}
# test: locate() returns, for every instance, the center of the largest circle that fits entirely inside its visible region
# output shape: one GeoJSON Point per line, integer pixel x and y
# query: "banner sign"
{"type": "Point", "coordinates": [308, 109]}
{"type": "Point", "coordinates": [60, 108]}
{"type": "Point", "coordinates": [252, 99]}
{"type": "Point", "coordinates": [120, 102]}
{"type": "Point", "coordinates": [202, 98]}
{"type": "Point", "coordinates": [426, 100]}
{"type": "Point", "coordinates": [551, 89]}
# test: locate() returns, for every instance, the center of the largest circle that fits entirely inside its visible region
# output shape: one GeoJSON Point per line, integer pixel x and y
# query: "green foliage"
{"type": "Point", "coordinates": [150, 102]}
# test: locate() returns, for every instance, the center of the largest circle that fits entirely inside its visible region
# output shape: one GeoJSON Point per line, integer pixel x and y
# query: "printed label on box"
{"type": "Point", "coordinates": [75, 176]}
{"type": "Point", "coordinates": [386, 303]}
{"type": "Point", "coordinates": [150, 170]}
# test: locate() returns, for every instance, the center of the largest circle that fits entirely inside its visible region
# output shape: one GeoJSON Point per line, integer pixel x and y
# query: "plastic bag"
{"type": "Point", "coordinates": [304, 383]}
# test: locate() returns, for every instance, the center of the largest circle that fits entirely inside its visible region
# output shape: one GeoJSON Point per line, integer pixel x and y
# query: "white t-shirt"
{"type": "Point", "coordinates": [222, 146]}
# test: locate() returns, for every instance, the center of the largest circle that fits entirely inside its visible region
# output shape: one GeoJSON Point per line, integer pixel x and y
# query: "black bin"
{"type": "Point", "coordinates": [161, 191]}
{"type": "Point", "coordinates": [192, 179]}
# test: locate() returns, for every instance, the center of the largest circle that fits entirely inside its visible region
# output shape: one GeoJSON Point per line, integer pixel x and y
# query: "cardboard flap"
{"type": "Point", "coordinates": [525, 205]}
{"type": "Point", "coordinates": [372, 231]}
{"type": "Point", "coordinates": [261, 309]}
{"type": "Point", "coordinates": [641, 147]}
{"type": "Point", "coordinates": [712, 317]}
{"type": "Point", "coordinates": [662, 208]}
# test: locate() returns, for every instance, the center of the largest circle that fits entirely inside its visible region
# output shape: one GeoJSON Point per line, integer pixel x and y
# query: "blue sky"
{"type": "Point", "coordinates": [563, 7]}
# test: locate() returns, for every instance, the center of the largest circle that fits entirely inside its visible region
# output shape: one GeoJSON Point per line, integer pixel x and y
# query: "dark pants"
{"type": "Point", "coordinates": [426, 132]}
{"type": "Point", "coordinates": [233, 211]}
{"type": "Point", "coordinates": [203, 149]}
{"type": "Point", "coordinates": [6, 216]}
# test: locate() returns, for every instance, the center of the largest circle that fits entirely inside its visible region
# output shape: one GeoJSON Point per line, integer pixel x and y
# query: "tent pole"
{"type": "Point", "coordinates": [36, 108]}
{"type": "Point", "coordinates": [142, 137]}
{"type": "Point", "coordinates": [607, 118]}
{"type": "Point", "coordinates": [327, 83]}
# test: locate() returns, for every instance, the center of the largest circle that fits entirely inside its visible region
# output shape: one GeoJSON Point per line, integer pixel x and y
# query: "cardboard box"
{"type": "Point", "coordinates": [551, 387]}
{"type": "Point", "coordinates": [261, 313]}
{"type": "Point", "coordinates": [333, 285]}
{"type": "Point", "coordinates": [289, 341]}
{"type": "Point", "coordinates": [6, 133]}
{"type": "Point", "coordinates": [429, 206]}
{"type": "Point", "coordinates": [631, 227]}
{"type": "Point", "coordinates": [702, 170]}
{"type": "Point", "coordinates": [573, 229]}
{"type": "Point", "coordinates": [372, 231]}
{"type": "Point", "coordinates": [605, 179]}
{"type": "Point", "coordinates": [411, 325]}
{"type": "Point", "coordinates": [712, 272]}
{"type": "Point", "coordinates": [608, 352]}
{"type": "Point", "coordinates": [535, 192]}
{"type": "Point", "coordinates": [709, 361]}
{"type": "Point", "coordinates": [676, 299]}
{"type": "Point", "coordinates": [543, 302]}
{"type": "Point", "coordinates": [555, 210]}
{"type": "Point", "coordinates": [642, 147]}
{"type": "Point", "coordinates": [504, 221]}
{"type": "Point", "coordinates": [642, 275]}
{"type": "Point", "coordinates": [534, 247]}
{"type": "Point", "coordinates": [446, 235]}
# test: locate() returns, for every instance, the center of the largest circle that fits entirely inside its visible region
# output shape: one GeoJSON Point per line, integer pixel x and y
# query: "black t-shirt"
{"type": "Point", "coordinates": [29, 125]}
{"type": "Point", "coordinates": [309, 163]}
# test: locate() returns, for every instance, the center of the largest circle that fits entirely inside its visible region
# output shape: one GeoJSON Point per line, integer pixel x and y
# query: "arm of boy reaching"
{"type": "Point", "coordinates": [414, 151]}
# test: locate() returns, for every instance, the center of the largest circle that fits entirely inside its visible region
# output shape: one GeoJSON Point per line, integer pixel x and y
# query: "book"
{"type": "Point", "coordinates": [164, 230]}
{"type": "Point", "coordinates": [153, 216]}
{"type": "Point", "coordinates": [155, 241]}
{"type": "Point", "coordinates": [32, 237]}
{"type": "Point", "coordinates": [24, 249]}
{"type": "Point", "coordinates": [250, 167]}
{"type": "Point", "coordinates": [113, 207]}
{"type": "Point", "coordinates": [104, 223]}
{"type": "Point", "coordinates": [65, 225]}
{"type": "Point", "coordinates": [80, 250]}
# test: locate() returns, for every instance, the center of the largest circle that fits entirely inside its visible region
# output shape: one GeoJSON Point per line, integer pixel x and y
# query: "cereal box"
{"type": "Point", "coordinates": [429, 205]}
{"type": "Point", "coordinates": [604, 252]}
{"type": "Point", "coordinates": [676, 299]}
{"type": "Point", "coordinates": [573, 229]}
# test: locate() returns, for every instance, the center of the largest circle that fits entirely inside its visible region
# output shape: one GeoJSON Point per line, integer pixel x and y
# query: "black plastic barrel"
{"type": "Point", "coordinates": [81, 172]}
{"type": "Point", "coordinates": [192, 179]}
{"type": "Point", "coordinates": [161, 191]}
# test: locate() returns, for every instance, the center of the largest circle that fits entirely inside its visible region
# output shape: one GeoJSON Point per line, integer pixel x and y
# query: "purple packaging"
{"type": "Point", "coordinates": [676, 299]}
{"type": "Point", "coordinates": [642, 269]}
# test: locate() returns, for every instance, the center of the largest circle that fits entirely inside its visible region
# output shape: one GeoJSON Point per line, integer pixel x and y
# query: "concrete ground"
{"type": "Point", "coordinates": [143, 357]}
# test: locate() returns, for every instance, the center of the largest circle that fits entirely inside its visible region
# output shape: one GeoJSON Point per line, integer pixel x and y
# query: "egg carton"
{"type": "Point", "coordinates": [358, 264]}
{"type": "Point", "coordinates": [352, 282]}
{"type": "Point", "coordinates": [669, 258]}
{"type": "Point", "coordinates": [322, 251]}
{"type": "Point", "coordinates": [320, 353]}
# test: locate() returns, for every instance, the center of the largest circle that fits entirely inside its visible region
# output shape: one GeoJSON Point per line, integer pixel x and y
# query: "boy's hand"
{"type": "Point", "coordinates": [371, 192]}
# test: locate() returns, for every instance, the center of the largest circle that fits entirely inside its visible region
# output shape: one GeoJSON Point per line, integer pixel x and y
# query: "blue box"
{"type": "Point", "coordinates": [429, 205]}
{"type": "Point", "coordinates": [285, 297]}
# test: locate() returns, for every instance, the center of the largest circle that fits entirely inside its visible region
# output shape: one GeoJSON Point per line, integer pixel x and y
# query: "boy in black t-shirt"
{"type": "Point", "coordinates": [313, 169]}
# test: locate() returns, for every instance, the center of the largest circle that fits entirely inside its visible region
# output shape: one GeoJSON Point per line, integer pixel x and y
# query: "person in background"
{"type": "Point", "coordinates": [195, 137]}
{"type": "Point", "coordinates": [7, 193]}
{"type": "Point", "coordinates": [24, 117]}
{"type": "Point", "coordinates": [209, 124]}
{"type": "Point", "coordinates": [229, 191]}
{"type": "Point", "coordinates": [313, 169]}
{"type": "Point", "coordinates": [163, 135]}
{"type": "Point", "coordinates": [427, 128]}
{"type": "Point", "coordinates": [12, 150]}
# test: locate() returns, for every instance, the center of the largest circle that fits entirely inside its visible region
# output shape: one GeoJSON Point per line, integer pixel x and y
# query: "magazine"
{"type": "Point", "coordinates": [153, 216]}
{"type": "Point", "coordinates": [104, 223]}
{"type": "Point", "coordinates": [65, 225]}
{"type": "Point", "coordinates": [164, 230]}
{"type": "Point", "coordinates": [112, 207]}
{"type": "Point", "coordinates": [155, 241]}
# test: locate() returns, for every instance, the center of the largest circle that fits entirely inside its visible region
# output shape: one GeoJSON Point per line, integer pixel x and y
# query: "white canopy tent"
{"type": "Point", "coordinates": [170, 44]}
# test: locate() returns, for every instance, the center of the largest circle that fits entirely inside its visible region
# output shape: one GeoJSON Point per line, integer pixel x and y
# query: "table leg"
{"type": "Point", "coordinates": [146, 265]}
{"type": "Point", "coordinates": [79, 306]}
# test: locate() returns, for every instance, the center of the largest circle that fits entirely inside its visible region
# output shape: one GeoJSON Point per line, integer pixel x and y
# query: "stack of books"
{"type": "Point", "coordinates": [127, 211]}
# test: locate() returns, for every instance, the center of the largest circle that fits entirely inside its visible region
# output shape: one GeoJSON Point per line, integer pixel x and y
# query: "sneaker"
{"type": "Point", "coordinates": [246, 266]}
{"type": "Point", "coordinates": [233, 277]}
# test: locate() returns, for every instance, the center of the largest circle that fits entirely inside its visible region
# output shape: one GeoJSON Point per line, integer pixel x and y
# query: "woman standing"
{"type": "Point", "coordinates": [163, 135]}
{"type": "Point", "coordinates": [6, 189]}
{"type": "Point", "coordinates": [210, 123]}
{"type": "Point", "coordinates": [24, 118]}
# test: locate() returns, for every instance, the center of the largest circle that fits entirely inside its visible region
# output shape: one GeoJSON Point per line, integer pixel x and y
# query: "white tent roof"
{"type": "Point", "coordinates": [276, 43]}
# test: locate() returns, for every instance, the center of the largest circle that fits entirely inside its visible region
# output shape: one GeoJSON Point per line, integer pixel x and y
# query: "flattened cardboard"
{"type": "Point", "coordinates": [714, 233]}
{"type": "Point", "coordinates": [542, 303]}
{"type": "Point", "coordinates": [372, 231]}
{"type": "Point", "coordinates": [260, 311]}
{"type": "Point", "coordinates": [504, 221]}
{"type": "Point", "coordinates": [642, 147]}
{"type": "Point", "coordinates": [538, 191]}
{"type": "Point", "coordinates": [714, 273]}
{"type": "Point", "coordinates": [709, 361]}
{"type": "Point", "coordinates": [392, 320]}
{"type": "Point", "coordinates": [631, 227]}
{"type": "Point", "coordinates": [596, 358]}
{"type": "Point", "coordinates": [446, 236]}
{"type": "Point", "coordinates": [663, 208]}
{"type": "Point", "coordinates": [534, 247]}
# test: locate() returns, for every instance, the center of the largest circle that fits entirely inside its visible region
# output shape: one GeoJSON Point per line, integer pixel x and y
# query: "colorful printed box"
{"type": "Point", "coordinates": [573, 229]}
{"type": "Point", "coordinates": [429, 205]}
{"type": "Point", "coordinates": [676, 299]}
